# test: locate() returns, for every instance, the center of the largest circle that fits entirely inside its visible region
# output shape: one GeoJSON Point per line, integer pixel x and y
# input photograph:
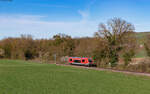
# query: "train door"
{"type": "Point", "coordinates": [83, 61]}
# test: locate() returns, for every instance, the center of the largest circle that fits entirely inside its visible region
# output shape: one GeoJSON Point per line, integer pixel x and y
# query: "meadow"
{"type": "Point", "coordinates": [22, 77]}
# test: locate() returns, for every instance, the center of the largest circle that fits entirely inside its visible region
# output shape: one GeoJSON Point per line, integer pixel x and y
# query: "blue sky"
{"type": "Point", "coordinates": [78, 18]}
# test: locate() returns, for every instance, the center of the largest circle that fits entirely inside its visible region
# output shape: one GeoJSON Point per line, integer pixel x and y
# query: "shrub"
{"type": "Point", "coordinates": [127, 56]}
{"type": "Point", "coordinates": [143, 66]}
{"type": "Point", "coordinates": [147, 49]}
{"type": "Point", "coordinates": [1, 53]}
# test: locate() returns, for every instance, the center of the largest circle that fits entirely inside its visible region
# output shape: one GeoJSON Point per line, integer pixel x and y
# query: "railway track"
{"type": "Point", "coordinates": [102, 69]}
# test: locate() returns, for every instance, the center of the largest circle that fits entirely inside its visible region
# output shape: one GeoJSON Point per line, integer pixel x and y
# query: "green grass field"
{"type": "Point", "coordinates": [20, 77]}
{"type": "Point", "coordinates": [140, 54]}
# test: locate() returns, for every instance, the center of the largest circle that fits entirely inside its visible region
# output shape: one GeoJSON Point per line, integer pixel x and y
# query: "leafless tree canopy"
{"type": "Point", "coordinates": [115, 30]}
{"type": "Point", "coordinates": [117, 35]}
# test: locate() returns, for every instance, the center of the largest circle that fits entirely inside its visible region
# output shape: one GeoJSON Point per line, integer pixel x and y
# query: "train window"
{"type": "Point", "coordinates": [77, 61]}
{"type": "Point", "coordinates": [83, 60]}
{"type": "Point", "coordinates": [70, 59]}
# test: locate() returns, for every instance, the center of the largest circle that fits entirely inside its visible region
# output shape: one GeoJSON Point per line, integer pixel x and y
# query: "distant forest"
{"type": "Point", "coordinates": [60, 45]}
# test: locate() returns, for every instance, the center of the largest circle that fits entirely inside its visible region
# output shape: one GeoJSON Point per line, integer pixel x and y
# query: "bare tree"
{"type": "Point", "coordinates": [116, 35]}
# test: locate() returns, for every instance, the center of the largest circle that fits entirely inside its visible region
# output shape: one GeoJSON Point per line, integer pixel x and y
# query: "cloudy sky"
{"type": "Point", "coordinates": [78, 18]}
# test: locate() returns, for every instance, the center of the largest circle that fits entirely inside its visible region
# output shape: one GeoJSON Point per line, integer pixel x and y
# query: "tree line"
{"type": "Point", "coordinates": [114, 40]}
{"type": "Point", "coordinates": [27, 48]}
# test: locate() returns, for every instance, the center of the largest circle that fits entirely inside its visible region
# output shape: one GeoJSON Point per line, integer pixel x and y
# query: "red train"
{"type": "Point", "coordinates": [81, 61]}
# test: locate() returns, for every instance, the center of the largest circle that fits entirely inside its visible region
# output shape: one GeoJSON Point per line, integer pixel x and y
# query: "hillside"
{"type": "Point", "coordinates": [141, 39]}
{"type": "Point", "coordinates": [141, 36]}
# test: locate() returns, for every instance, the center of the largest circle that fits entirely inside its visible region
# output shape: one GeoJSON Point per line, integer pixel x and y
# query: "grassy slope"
{"type": "Point", "coordinates": [19, 77]}
{"type": "Point", "coordinates": [141, 38]}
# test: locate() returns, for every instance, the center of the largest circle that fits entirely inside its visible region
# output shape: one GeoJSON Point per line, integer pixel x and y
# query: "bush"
{"type": "Point", "coordinates": [113, 58]}
{"type": "Point", "coordinates": [141, 67]}
{"type": "Point", "coordinates": [147, 49]}
{"type": "Point", "coordinates": [127, 56]}
{"type": "Point", "coordinates": [1, 53]}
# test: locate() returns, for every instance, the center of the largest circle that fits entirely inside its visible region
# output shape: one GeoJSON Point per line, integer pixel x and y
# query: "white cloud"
{"type": "Point", "coordinates": [15, 25]}
{"type": "Point", "coordinates": [85, 15]}
{"type": "Point", "coordinates": [49, 5]}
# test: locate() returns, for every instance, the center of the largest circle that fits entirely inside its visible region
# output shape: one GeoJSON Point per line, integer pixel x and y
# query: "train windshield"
{"type": "Point", "coordinates": [90, 60]}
